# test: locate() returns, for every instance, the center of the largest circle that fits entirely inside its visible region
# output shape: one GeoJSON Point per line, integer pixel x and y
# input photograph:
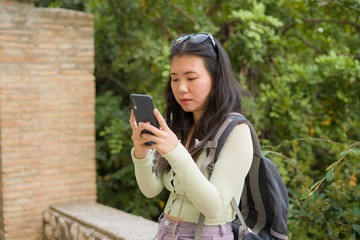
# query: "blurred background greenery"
{"type": "Point", "coordinates": [298, 62]}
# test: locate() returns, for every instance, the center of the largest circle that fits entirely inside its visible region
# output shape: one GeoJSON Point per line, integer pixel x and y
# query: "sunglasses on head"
{"type": "Point", "coordinates": [195, 38]}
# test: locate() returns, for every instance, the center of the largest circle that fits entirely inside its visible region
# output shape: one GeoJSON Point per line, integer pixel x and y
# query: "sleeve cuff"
{"type": "Point", "coordinates": [175, 152]}
{"type": "Point", "coordinates": [141, 162]}
{"type": "Point", "coordinates": [178, 156]}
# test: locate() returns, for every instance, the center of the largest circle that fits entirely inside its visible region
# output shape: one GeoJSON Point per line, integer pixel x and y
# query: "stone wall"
{"type": "Point", "coordinates": [47, 98]}
{"type": "Point", "coordinates": [93, 221]}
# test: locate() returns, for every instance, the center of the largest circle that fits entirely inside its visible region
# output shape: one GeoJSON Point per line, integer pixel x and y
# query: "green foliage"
{"type": "Point", "coordinates": [325, 204]}
{"type": "Point", "coordinates": [116, 182]}
{"type": "Point", "coordinates": [297, 60]}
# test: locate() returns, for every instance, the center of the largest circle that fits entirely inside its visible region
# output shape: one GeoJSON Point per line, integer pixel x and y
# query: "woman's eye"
{"type": "Point", "coordinates": [190, 79]}
{"type": "Point", "coordinates": [174, 80]}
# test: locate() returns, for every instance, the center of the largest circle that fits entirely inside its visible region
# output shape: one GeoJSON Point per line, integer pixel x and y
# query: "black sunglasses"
{"type": "Point", "coordinates": [195, 38]}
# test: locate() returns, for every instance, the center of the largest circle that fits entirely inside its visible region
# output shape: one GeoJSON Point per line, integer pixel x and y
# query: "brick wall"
{"type": "Point", "coordinates": [47, 92]}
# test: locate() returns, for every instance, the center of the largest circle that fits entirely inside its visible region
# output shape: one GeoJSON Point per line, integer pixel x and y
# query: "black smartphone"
{"type": "Point", "coordinates": [143, 107]}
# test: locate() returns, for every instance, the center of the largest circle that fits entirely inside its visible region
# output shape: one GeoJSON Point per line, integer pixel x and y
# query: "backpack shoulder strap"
{"type": "Point", "coordinates": [254, 169]}
{"type": "Point", "coordinates": [217, 141]}
{"type": "Point", "coordinates": [213, 144]}
{"type": "Point", "coordinates": [236, 119]}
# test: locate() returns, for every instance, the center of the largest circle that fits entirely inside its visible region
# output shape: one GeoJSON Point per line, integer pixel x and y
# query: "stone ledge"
{"type": "Point", "coordinates": [91, 220]}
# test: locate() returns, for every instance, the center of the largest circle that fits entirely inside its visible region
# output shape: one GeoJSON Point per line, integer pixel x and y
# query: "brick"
{"type": "Point", "coordinates": [14, 234]}
{"type": "Point", "coordinates": [6, 24]}
{"type": "Point", "coordinates": [74, 14]}
{"type": "Point", "coordinates": [17, 45]}
{"type": "Point", "coordinates": [27, 161]}
{"type": "Point", "coordinates": [39, 66]}
{"type": "Point", "coordinates": [7, 31]}
{"type": "Point", "coordinates": [42, 52]}
{"type": "Point", "coordinates": [12, 52]}
{"type": "Point", "coordinates": [14, 181]}
{"type": "Point", "coordinates": [63, 46]}
{"type": "Point", "coordinates": [10, 143]}
{"type": "Point", "coordinates": [14, 227]}
{"type": "Point", "coordinates": [34, 237]}
{"type": "Point", "coordinates": [88, 46]}
{"type": "Point", "coordinates": [33, 214]}
{"type": "Point", "coordinates": [86, 29]}
{"type": "Point", "coordinates": [75, 21]}
{"type": "Point", "coordinates": [18, 59]}
{"type": "Point", "coordinates": [79, 59]}
{"type": "Point", "coordinates": [85, 53]}
{"type": "Point", "coordinates": [9, 38]}
{"type": "Point", "coordinates": [72, 72]}
{"type": "Point", "coordinates": [6, 150]}
{"type": "Point", "coordinates": [12, 156]}
{"type": "Point", "coordinates": [56, 27]}
{"type": "Point", "coordinates": [34, 230]}
{"type": "Point", "coordinates": [48, 45]}
{"type": "Point", "coordinates": [11, 209]}
{"type": "Point", "coordinates": [35, 205]}
{"type": "Point", "coordinates": [43, 72]}
{"type": "Point", "coordinates": [68, 66]}
{"type": "Point", "coordinates": [31, 97]}
{"type": "Point", "coordinates": [48, 34]}
{"type": "Point", "coordinates": [10, 221]}
{"type": "Point", "coordinates": [68, 52]}
{"type": "Point", "coordinates": [43, 39]}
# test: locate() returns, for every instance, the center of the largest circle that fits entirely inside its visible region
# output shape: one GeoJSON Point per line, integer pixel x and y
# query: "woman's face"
{"type": "Point", "coordinates": [190, 83]}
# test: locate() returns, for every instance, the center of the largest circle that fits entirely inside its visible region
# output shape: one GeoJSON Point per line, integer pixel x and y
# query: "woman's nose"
{"type": "Point", "coordinates": [183, 86]}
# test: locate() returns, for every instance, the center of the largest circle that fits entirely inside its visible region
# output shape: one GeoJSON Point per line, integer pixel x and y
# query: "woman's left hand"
{"type": "Point", "coordinates": [165, 139]}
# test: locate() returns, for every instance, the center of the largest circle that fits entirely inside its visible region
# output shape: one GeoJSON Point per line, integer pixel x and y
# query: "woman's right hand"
{"type": "Point", "coordinates": [140, 148]}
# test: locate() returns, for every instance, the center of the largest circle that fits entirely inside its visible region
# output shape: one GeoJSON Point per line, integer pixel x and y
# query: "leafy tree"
{"type": "Point", "coordinates": [298, 62]}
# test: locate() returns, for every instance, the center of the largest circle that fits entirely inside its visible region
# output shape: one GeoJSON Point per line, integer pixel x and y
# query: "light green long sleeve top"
{"type": "Point", "coordinates": [209, 196]}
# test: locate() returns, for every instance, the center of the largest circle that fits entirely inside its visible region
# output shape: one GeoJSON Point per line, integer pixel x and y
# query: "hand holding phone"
{"type": "Point", "coordinates": [143, 111]}
{"type": "Point", "coordinates": [143, 108]}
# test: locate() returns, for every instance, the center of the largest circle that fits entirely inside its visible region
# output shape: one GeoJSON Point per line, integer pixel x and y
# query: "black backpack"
{"type": "Point", "coordinates": [264, 202]}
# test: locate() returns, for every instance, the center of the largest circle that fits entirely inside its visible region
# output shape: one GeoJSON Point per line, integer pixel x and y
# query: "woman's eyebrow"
{"type": "Point", "coordinates": [185, 73]}
{"type": "Point", "coordinates": [189, 72]}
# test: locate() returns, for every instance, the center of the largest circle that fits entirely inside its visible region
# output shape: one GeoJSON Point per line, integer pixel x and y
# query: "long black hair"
{"type": "Point", "coordinates": [224, 97]}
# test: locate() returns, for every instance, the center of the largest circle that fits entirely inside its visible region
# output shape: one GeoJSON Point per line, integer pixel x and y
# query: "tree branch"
{"type": "Point", "coordinates": [212, 9]}
{"type": "Point", "coordinates": [308, 43]}
{"type": "Point", "coordinates": [287, 27]}
{"type": "Point", "coordinates": [331, 20]}
{"type": "Point", "coordinates": [182, 12]}
{"type": "Point", "coordinates": [355, 56]}
{"type": "Point", "coordinates": [118, 83]}
{"type": "Point", "coordinates": [166, 29]}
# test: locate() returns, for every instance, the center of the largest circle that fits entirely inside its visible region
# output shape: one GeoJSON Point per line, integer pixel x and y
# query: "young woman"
{"type": "Point", "coordinates": [200, 94]}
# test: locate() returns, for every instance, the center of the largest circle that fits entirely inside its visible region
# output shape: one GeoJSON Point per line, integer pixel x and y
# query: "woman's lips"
{"type": "Point", "coordinates": [185, 100]}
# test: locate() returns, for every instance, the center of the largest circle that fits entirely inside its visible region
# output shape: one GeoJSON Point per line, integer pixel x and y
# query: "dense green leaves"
{"type": "Point", "coordinates": [298, 62]}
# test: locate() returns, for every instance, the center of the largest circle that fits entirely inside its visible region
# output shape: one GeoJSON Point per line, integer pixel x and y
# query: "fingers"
{"type": "Point", "coordinates": [161, 120]}
{"type": "Point", "coordinates": [132, 120]}
{"type": "Point", "coordinates": [136, 135]}
{"type": "Point", "coordinates": [164, 139]}
{"type": "Point", "coordinates": [137, 129]}
{"type": "Point", "coordinates": [148, 127]}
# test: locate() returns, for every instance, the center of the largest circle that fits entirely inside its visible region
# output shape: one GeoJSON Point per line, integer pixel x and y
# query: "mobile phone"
{"type": "Point", "coordinates": [143, 108]}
